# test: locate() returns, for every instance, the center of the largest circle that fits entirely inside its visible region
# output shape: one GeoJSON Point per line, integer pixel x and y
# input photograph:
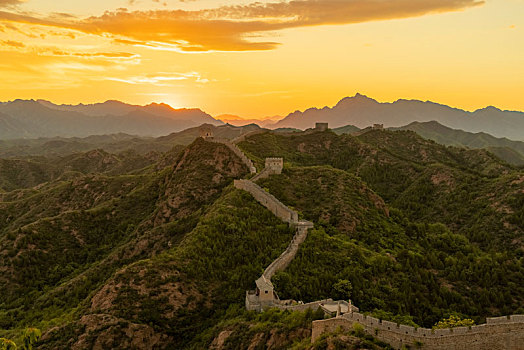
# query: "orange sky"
{"type": "Point", "coordinates": [263, 58]}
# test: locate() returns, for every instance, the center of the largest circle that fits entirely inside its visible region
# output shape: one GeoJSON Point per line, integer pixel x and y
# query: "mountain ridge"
{"type": "Point", "coordinates": [362, 111]}
{"type": "Point", "coordinates": [26, 118]}
{"type": "Point", "coordinates": [442, 134]}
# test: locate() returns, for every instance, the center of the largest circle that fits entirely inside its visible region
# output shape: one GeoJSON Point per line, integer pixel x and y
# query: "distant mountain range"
{"type": "Point", "coordinates": [241, 121]}
{"type": "Point", "coordinates": [33, 119]}
{"type": "Point", "coordinates": [363, 111]}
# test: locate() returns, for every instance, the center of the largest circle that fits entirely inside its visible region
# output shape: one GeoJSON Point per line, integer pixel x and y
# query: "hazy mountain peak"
{"type": "Point", "coordinates": [161, 104]}
{"type": "Point", "coordinates": [358, 98]}
{"type": "Point", "coordinates": [489, 109]}
{"type": "Point", "coordinates": [21, 101]}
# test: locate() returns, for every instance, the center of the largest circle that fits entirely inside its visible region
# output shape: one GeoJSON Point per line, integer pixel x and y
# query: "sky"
{"type": "Point", "coordinates": [263, 58]}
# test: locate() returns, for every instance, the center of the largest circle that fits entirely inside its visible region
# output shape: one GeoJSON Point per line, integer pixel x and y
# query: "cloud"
{"type": "Point", "coordinates": [108, 55]}
{"type": "Point", "coordinates": [232, 28]}
{"type": "Point", "coordinates": [9, 3]}
{"type": "Point", "coordinates": [12, 43]}
{"type": "Point", "coordinates": [161, 79]}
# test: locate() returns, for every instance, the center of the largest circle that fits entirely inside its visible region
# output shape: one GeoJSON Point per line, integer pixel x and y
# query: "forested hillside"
{"type": "Point", "coordinates": [508, 150]}
{"type": "Point", "coordinates": [158, 252]}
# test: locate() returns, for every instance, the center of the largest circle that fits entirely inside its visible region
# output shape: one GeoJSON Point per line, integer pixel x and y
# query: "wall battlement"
{"type": "Point", "coordinates": [321, 126]}
{"type": "Point", "coordinates": [268, 200]}
{"type": "Point", "coordinates": [505, 332]}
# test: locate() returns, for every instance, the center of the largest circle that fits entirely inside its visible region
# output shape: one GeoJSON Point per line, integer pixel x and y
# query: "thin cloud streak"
{"type": "Point", "coordinates": [161, 79]}
{"type": "Point", "coordinates": [229, 28]}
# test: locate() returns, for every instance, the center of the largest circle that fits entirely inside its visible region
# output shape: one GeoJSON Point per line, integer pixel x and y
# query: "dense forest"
{"type": "Point", "coordinates": [131, 250]}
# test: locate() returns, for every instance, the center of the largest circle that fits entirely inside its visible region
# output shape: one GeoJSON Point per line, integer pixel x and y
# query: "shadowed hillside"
{"type": "Point", "coordinates": [508, 150]}
{"type": "Point", "coordinates": [429, 182]}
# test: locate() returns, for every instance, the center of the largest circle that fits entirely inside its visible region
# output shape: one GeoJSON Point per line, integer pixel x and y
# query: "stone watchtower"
{"type": "Point", "coordinates": [263, 297]}
{"type": "Point", "coordinates": [265, 290]}
{"type": "Point", "coordinates": [206, 131]}
{"type": "Point", "coordinates": [274, 165]}
{"type": "Point", "coordinates": [378, 126]}
{"type": "Point", "coordinates": [321, 126]}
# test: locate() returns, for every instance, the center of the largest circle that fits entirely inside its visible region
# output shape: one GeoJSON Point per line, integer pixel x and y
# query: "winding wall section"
{"type": "Point", "coordinates": [497, 333]}
{"type": "Point", "coordinates": [285, 214]}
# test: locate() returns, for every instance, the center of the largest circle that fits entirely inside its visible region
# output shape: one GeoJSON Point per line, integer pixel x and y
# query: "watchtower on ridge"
{"type": "Point", "coordinates": [206, 131]}
{"type": "Point", "coordinates": [321, 126]}
{"type": "Point", "coordinates": [274, 165]}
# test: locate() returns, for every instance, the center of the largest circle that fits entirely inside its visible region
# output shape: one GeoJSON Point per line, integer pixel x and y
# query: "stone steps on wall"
{"type": "Point", "coordinates": [284, 213]}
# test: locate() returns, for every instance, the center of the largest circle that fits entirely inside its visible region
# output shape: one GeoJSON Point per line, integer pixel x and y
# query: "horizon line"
{"type": "Point", "coordinates": [264, 118]}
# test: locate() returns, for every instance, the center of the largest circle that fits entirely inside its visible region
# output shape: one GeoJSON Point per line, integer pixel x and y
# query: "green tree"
{"type": "Point", "coordinates": [343, 289]}
{"type": "Point", "coordinates": [31, 336]}
{"type": "Point", "coordinates": [6, 344]}
{"type": "Point", "coordinates": [453, 321]}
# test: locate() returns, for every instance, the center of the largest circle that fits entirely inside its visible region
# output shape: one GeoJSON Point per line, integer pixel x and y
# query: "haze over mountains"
{"type": "Point", "coordinates": [236, 120]}
{"type": "Point", "coordinates": [113, 143]}
{"type": "Point", "coordinates": [33, 119]}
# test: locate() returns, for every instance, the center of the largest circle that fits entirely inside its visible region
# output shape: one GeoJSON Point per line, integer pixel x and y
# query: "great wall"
{"type": "Point", "coordinates": [506, 332]}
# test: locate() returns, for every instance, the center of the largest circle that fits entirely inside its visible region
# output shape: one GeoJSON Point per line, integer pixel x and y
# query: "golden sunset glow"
{"type": "Point", "coordinates": [266, 58]}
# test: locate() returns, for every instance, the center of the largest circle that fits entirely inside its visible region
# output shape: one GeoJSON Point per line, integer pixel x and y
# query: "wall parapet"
{"type": "Point", "coordinates": [268, 200]}
{"type": "Point", "coordinates": [505, 332]}
{"type": "Point", "coordinates": [253, 300]}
